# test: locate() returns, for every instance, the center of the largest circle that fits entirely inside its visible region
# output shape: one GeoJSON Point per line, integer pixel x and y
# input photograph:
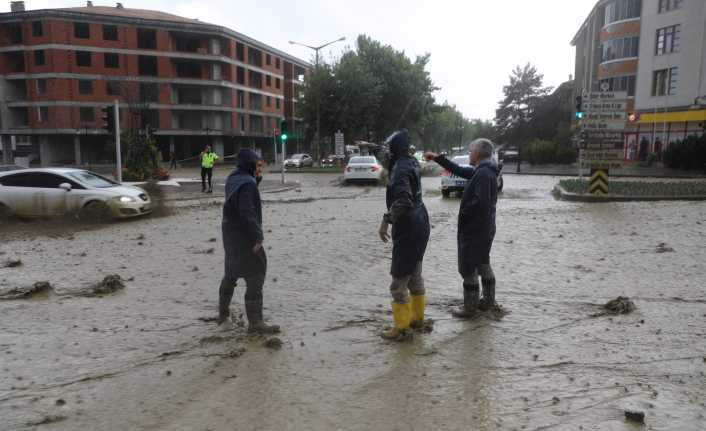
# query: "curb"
{"type": "Point", "coordinates": [562, 194]}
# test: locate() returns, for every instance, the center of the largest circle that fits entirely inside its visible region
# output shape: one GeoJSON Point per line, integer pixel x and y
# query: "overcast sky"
{"type": "Point", "coordinates": [474, 44]}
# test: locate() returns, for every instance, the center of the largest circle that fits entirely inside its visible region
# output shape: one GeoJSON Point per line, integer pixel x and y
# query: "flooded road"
{"type": "Point", "coordinates": [150, 357]}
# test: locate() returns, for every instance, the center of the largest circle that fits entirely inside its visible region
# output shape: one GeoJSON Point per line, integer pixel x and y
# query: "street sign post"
{"type": "Point", "coordinates": [339, 143]}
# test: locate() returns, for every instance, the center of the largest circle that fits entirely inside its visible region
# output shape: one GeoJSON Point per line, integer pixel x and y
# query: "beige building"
{"type": "Point", "coordinates": [655, 51]}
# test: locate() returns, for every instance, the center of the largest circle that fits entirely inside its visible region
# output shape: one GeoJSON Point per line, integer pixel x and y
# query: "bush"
{"type": "Point", "coordinates": [540, 152]}
{"type": "Point", "coordinates": [141, 156]}
{"type": "Point", "coordinates": [689, 154]}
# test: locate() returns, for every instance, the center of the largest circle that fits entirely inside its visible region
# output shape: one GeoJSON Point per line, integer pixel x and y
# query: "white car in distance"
{"type": "Point", "coordinates": [62, 191]}
{"type": "Point", "coordinates": [363, 169]}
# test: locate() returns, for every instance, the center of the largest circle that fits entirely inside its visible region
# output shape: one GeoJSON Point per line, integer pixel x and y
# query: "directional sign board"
{"type": "Point", "coordinates": [340, 148]}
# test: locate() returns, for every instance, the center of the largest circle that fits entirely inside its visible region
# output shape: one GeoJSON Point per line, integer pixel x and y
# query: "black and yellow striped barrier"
{"type": "Point", "coordinates": [598, 184]}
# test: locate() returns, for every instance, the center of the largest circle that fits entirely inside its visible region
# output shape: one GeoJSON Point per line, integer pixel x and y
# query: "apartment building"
{"type": "Point", "coordinates": [190, 82]}
{"type": "Point", "coordinates": [655, 51]}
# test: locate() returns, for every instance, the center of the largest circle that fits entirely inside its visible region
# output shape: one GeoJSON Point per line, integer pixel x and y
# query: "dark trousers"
{"type": "Point", "coordinates": [253, 291]}
{"type": "Point", "coordinates": [173, 164]}
{"type": "Point", "coordinates": [206, 173]}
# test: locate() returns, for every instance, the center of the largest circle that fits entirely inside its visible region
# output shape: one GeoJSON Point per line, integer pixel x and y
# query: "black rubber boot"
{"type": "Point", "coordinates": [488, 301]}
{"type": "Point", "coordinates": [471, 297]}
{"type": "Point", "coordinates": [225, 294]}
{"type": "Point", "coordinates": [253, 309]}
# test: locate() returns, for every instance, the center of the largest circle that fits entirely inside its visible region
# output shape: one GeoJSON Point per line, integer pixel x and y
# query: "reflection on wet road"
{"type": "Point", "coordinates": [149, 357]}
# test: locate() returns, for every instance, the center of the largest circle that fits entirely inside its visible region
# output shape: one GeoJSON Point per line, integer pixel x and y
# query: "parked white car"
{"type": "Point", "coordinates": [299, 161]}
{"type": "Point", "coordinates": [60, 191]}
{"type": "Point", "coordinates": [451, 183]}
{"type": "Point", "coordinates": [363, 168]}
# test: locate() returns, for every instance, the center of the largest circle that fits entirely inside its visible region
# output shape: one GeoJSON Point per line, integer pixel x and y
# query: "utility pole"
{"type": "Point", "coordinates": [316, 49]}
{"type": "Point", "coordinates": [118, 156]}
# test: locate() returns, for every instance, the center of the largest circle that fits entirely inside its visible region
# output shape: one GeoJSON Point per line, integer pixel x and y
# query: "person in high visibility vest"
{"type": "Point", "coordinates": [208, 159]}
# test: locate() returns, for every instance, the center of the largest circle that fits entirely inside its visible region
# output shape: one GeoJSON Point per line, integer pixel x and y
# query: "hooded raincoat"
{"type": "Point", "coordinates": [242, 220]}
{"type": "Point", "coordinates": [406, 210]}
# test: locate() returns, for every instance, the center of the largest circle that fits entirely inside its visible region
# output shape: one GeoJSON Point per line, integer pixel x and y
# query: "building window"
{"type": "Point", "coordinates": [37, 30]}
{"type": "Point", "coordinates": [255, 102]}
{"type": "Point", "coordinates": [111, 60]}
{"type": "Point", "coordinates": [239, 51]}
{"type": "Point", "coordinates": [256, 124]}
{"type": "Point", "coordinates": [41, 86]}
{"type": "Point", "coordinates": [268, 80]}
{"type": "Point", "coordinates": [277, 83]}
{"type": "Point", "coordinates": [255, 79]}
{"type": "Point", "coordinates": [88, 115]}
{"type": "Point", "coordinates": [664, 82]}
{"type": "Point", "coordinates": [277, 103]}
{"type": "Point", "coordinates": [43, 114]}
{"type": "Point", "coordinates": [83, 58]}
{"type": "Point", "coordinates": [669, 5]}
{"type": "Point", "coordinates": [82, 30]}
{"type": "Point", "coordinates": [39, 57]}
{"type": "Point", "coordinates": [268, 101]}
{"type": "Point", "coordinates": [268, 59]}
{"type": "Point", "coordinates": [242, 122]}
{"type": "Point", "coordinates": [110, 32]}
{"type": "Point", "coordinates": [620, 83]}
{"type": "Point", "coordinates": [85, 86]}
{"type": "Point", "coordinates": [240, 75]}
{"type": "Point", "coordinates": [147, 65]}
{"type": "Point", "coordinates": [146, 38]}
{"type": "Point", "coordinates": [614, 49]}
{"type": "Point", "coordinates": [619, 10]}
{"type": "Point", "coordinates": [276, 62]}
{"type": "Point", "coordinates": [241, 99]}
{"type": "Point", "coordinates": [668, 40]}
{"type": "Point", "coordinates": [112, 88]}
{"type": "Point", "coordinates": [149, 92]}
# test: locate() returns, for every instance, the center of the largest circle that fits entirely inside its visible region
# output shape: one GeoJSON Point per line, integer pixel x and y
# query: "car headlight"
{"type": "Point", "coordinates": [126, 199]}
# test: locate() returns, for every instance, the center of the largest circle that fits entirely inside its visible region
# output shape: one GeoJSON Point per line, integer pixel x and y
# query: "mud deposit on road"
{"type": "Point", "coordinates": [150, 356]}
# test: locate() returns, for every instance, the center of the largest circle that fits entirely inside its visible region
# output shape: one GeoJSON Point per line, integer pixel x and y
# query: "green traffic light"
{"type": "Point", "coordinates": [284, 137]}
{"type": "Point", "coordinates": [579, 115]}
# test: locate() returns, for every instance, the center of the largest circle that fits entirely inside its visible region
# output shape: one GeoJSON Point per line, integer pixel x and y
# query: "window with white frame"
{"type": "Point", "coordinates": [669, 5]}
{"type": "Point", "coordinates": [668, 40]}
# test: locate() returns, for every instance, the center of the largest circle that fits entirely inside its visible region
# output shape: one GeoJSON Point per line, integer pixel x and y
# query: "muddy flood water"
{"type": "Point", "coordinates": [148, 356]}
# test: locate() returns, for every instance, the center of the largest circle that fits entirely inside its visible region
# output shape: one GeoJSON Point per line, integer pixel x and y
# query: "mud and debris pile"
{"type": "Point", "coordinates": [620, 305]}
{"type": "Point", "coordinates": [662, 247]}
{"type": "Point", "coordinates": [25, 292]}
{"type": "Point", "coordinates": [110, 284]}
{"type": "Point", "coordinates": [11, 263]}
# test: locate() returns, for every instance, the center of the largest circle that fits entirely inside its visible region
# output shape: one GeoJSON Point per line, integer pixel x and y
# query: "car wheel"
{"type": "Point", "coordinates": [95, 211]}
{"type": "Point", "coordinates": [5, 212]}
{"type": "Point", "coordinates": [445, 193]}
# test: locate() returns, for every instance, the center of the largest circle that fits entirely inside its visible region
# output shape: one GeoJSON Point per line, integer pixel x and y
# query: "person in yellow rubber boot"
{"type": "Point", "coordinates": [410, 234]}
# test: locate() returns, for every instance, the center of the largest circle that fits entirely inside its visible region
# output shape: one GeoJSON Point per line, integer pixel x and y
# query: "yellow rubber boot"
{"type": "Point", "coordinates": [417, 303]}
{"type": "Point", "coordinates": [402, 314]}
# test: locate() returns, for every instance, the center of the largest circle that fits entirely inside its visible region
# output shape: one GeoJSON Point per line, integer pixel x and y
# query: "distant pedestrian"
{"type": "Point", "coordinates": [242, 241]}
{"type": "Point", "coordinates": [644, 148]}
{"type": "Point", "coordinates": [476, 224]}
{"type": "Point", "coordinates": [172, 160]}
{"type": "Point", "coordinates": [410, 233]}
{"type": "Point", "coordinates": [208, 159]}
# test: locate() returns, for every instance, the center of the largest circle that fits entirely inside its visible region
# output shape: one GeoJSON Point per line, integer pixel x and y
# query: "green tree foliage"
{"type": "Point", "coordinates": [141, 156]}
{"type": "Point", "coordinates": [444, 128]}
{"type": "Point", "coordinates": [539, 152]}
{"type": "Point", "coordinates": [687, 154]}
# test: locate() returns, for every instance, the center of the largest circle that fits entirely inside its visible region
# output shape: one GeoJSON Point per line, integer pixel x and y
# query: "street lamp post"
{"type": "Point", "coordinates": [318, 99]}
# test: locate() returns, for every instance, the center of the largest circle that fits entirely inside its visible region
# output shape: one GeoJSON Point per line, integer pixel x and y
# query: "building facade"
{"type": "Point", "coordinates": [655, 50]}
{"type": "Point", "coordinates": [189, 82]}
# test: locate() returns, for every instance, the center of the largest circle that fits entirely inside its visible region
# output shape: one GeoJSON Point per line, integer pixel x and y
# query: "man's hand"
{"type": "Point", "coordinates": [257, 247]}
{"type": "Point", "coordinates": [429, 156]}
{"type": "Point", "coordinates": [383, 231]}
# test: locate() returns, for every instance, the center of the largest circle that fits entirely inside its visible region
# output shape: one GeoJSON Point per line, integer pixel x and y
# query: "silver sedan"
{"type": "Point", "coordinates": [60, 191]}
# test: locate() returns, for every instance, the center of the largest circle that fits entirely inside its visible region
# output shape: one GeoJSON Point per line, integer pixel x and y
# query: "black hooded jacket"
{"type": "Point", "coordinates": [242, 219]}
{"type": "Point", "coordinates": [406, 210]}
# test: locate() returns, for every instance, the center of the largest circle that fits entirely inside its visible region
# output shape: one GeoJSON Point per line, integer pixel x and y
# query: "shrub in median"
{"type": "Point", "coordinates": [638, 188]}
{"type": "Point", "coordinates": [540, 152]}
{"type": "Point", "coordinates": [688, 154]}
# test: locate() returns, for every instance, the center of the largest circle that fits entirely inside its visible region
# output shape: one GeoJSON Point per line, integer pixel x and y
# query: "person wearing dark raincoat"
{"type": "Point", "coordinates": [242, 239]}
{"type": "Point", "coordinates": [410, 233]}
{"type": "Point", "coordinates": [476, 224]}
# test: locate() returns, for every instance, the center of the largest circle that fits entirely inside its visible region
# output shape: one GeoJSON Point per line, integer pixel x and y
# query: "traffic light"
{"type": "Point", "coordinates": [579, 107]}
{"type": "Point", "coordinates": [108, 118]}
{"type": "Point", "coordinates": [283, 130]}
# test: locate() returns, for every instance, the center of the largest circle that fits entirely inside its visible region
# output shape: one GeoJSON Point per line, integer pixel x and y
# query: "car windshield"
{"type": "Point", "coordinates": [362, 160]}
{"type": "Point", "coordinates": [92, 180]}
{"type": "Point", "coordinates": [461, 160]}
{"type": "Point", "coordinates": [298, 156]}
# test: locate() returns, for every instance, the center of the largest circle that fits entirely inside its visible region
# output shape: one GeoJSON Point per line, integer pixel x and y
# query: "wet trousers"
{"type": "Point", "coordinates": [253, 291]}
{"type": "Point", "coordinates": [206, 173]}
{"type": "Point", "coordinates": [413, 284]}
{"type": "Point", "coordinates": [487, 277]}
